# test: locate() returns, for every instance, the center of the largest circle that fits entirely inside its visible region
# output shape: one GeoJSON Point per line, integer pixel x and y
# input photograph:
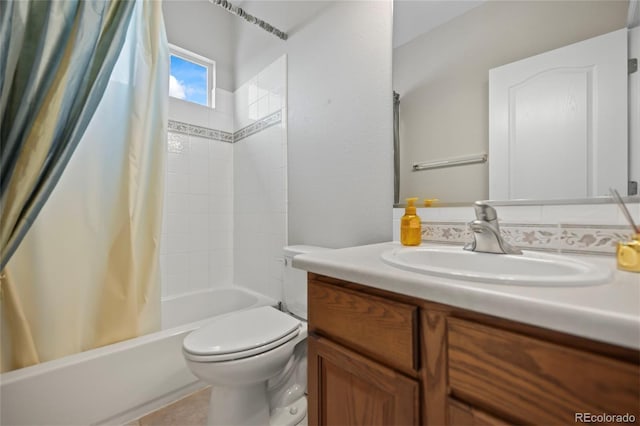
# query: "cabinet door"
{"type": "Point", "coordinates": [346, 388]}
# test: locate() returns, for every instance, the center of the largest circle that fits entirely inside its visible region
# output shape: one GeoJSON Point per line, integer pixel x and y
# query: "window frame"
{"type": "Point", "coordinates": [208, 64]}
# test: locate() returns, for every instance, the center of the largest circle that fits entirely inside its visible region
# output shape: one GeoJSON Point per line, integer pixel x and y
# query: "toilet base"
{"type": "Point", "coordinates": [239, 406]}
{"type": "Point", "coordinates": [293, 414]}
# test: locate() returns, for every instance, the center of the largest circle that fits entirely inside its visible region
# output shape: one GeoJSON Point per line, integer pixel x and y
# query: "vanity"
{"type": "Point", "coordinates": [392, 346]}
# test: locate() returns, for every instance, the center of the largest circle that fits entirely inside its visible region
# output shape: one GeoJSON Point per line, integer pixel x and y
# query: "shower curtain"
{"type": "Point", "coordinates": [86, 274]}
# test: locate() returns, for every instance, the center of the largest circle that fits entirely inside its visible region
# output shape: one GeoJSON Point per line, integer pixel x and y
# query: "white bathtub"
{"type": "Point", "coordinates": [119, 382]}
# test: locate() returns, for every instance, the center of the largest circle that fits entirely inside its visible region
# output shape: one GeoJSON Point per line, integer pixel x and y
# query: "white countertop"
{"type": "Point", "coordinates": [608, 312]}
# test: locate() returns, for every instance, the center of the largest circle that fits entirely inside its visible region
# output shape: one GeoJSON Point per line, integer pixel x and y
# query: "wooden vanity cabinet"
{"type": "Point", "coordinates": [380, 358]}
{"type": "Point", "coordinates": [365, 371]}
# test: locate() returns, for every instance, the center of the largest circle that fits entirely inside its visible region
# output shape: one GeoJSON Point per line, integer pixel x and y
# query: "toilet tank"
{"type": "Point", "coordinates": [294, 281]}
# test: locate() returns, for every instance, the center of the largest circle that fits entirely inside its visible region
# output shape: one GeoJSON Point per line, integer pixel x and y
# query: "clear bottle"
{"type": "Point", "coordinates": [410, 227]}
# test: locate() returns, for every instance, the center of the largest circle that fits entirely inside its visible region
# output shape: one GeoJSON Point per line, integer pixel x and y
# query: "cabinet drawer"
{"type": "Point", "coordinates": [532, 381]}
{"type": "Point", "coordinates": [379, 328]}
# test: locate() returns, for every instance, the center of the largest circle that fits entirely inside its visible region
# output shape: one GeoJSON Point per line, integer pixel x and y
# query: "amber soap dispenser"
{"type": "Point", "coordinates": [410, 228]}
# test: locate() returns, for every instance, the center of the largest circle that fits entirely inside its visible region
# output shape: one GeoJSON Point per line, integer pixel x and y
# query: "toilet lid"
{"type": "Point", "coordinates": [242, 331]}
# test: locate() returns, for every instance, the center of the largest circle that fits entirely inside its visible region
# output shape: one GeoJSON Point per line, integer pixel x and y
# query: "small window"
{"type": "Point", "coordinates": [192, 77]}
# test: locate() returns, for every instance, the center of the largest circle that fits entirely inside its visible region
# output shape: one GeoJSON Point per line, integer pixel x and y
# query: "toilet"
{"type": "Point", "coordinates": [256, 359]}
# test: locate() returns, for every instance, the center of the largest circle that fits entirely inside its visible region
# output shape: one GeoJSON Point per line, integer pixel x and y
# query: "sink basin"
{"type": "Point", "coordinates": [529, 268]}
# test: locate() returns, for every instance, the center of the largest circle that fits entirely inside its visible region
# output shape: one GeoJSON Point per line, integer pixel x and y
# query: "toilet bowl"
{"type": "Point", "coordinates": [255, 359]}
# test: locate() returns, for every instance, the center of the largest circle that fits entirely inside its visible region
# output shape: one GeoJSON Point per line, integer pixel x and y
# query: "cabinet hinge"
{"type": "Point", "coordinates": [632, 65]}
{"type": "Point", "coordinates": [632, 188]}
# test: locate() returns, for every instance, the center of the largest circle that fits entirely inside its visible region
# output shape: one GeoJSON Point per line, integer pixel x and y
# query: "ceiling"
{"type": "Point", "coordinates": [412, 18]}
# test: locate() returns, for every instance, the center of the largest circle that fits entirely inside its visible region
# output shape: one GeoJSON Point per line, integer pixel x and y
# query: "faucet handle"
{"type": "Point", "coordinates": [485, 212]}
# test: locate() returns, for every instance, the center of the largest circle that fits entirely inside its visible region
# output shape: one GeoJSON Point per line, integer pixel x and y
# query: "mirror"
{"type": "Point", "coordinates": [443, 51]}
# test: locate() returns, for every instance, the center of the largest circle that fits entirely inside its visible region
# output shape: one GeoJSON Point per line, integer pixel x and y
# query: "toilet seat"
{"type": "Point", "coordinates": [240, 335]}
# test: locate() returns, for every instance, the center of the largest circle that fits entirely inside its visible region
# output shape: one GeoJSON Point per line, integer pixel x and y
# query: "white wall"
{"type": "Point", "coordinates": [442, 78]}
{"type": "Point", "coordinates": [205, 29]}
{"type": "Point", "coordinates": [339, 118]}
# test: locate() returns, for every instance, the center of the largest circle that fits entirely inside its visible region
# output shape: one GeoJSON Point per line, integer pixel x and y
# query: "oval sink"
{"type": "Point", "coordinates": [529, 268]}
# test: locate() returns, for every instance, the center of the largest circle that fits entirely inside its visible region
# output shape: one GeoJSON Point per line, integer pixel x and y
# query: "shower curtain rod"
{"type": "Point", "coordinates": [250, 18]}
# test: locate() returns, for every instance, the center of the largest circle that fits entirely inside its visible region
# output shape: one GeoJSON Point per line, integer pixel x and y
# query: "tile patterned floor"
{"type": "Point", "coordinates": [189, 411]}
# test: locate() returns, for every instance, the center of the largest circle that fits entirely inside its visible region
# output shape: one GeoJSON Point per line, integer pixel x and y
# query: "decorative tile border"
{"type": "Point", "coordinates": [597, 239]}
{"type": "Point", "coordinates": [220, 135]}
{"type": "Point", "coordinates": [446, 232]}
{"type": "Point", "coordinates": [561, 238]}
{"type": "Point", "coordinates": [258, 126]}
{"type": "Point", "coordinates": [203, 132]}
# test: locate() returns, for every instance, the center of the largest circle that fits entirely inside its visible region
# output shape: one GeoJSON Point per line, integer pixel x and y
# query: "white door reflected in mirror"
{"type": "Point", "coordinates": [558, 122]}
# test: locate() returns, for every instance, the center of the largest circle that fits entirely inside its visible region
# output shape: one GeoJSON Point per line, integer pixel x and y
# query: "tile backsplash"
{"type": "Point", "coordinates": [578, 228]}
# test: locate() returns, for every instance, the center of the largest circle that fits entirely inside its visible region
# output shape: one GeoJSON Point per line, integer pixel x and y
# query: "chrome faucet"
{"type": "Point", "coordinates": [486, 232]}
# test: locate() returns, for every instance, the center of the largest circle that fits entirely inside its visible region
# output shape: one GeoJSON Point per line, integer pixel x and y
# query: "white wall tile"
{"type": "Point", "coordinates": [177, 264]}
{"type": "Point", "coordinates": [198, 232]}
{"type": "Point", "coordinates": [241, 107]}
{"type": "Point", "coordinates": [199, 183]}
{"type": "Point", "coordinates": [178, 243]}
{"type": "Point", "coordinates": [199, 155]}
{"type": "Point", "coordinates": [221, 204]}
{"type": "Point", "coordinates": [221, 267]}
{"type": "Point", "coordinates": [176, 203]}
{"type": "Point", "coordinates": [396, 230]}
{"type": "Point", "coordinates": [450, 214]}
{"type": "Point", "coordinates": [273, 76]}
{"type": "Point", "coordinates": [220, 121]}
{"type": "Point", "coordinates": [224, 101]}
{"type": "Point", "coordinates": [198, 203]}
{"type": "Point", "coordinates": [263, 106]}
{"type": "Point", "coordinates": [173, 284]}
{"type": "Point", "coordinates": [253, 90]}
{"type": "Point", "coordinates": [177, 183]}
{"type": "Point", "coordinates": [188, 240]}
{"type": "Point", "coordinates": [178, 110]}
{"type": "Point", "coordinates": [225, 197]}
{"type": "Point", "coordinates": [519, 214]}
{"type": "Point", "coordinates": [163, 265]}
{"type": "Point", "coordinates": [177, 143]}
{"type": "Point", "coordinates": [593, 214]}
{"type": "Point", "coordinates": [198, 278]}
{"type": "Point", "coordinates": [176, 223]}
{"type": "Point", "coordinates": [253, 113]}
{"type": "Point", "coordinates": [634, 210]}
{"type": "Point", "coordinates": [198, 167]}
{"type": "Point", "coordinates": [260, 182]}
{"type": "Point", "coordinates": [220, 233]}
{"type": "Point", "coordinates": [178, 163]}
{"type": "Point", "coordinates": [163, 247]}
{"type": "Point", "coordinates": [188, 112]}
{"type": "Point", "coordinates": [221, 186]}
{"type": "Point", "coordinates": [275, 102]}
{"type": "Point", "coordinates": [426, 214]}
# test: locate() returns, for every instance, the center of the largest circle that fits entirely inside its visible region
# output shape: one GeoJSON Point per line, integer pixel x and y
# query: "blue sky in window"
{"type": "Point", "coordinates": [188, 81]}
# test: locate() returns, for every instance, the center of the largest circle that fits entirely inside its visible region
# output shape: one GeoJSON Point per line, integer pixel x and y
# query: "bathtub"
{"type": "Point", "coordinates": [123, 381]}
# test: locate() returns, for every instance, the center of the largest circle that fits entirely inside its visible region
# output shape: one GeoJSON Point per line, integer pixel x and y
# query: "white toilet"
{"type": "Point", "coordinates": [256, 359]}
